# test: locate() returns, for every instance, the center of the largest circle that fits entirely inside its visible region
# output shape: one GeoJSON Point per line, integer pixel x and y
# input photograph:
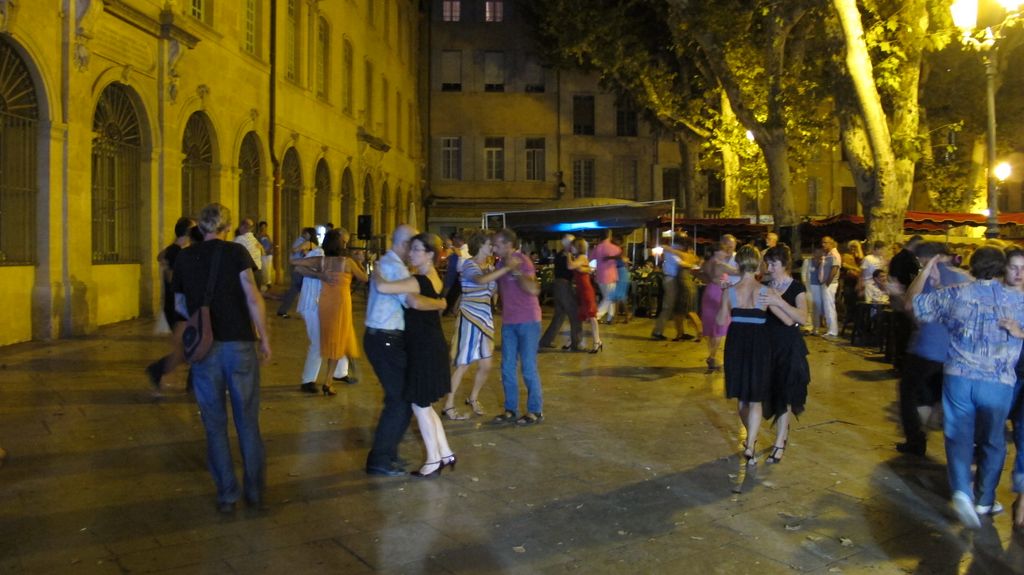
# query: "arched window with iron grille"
{"type": "Point", "coordinates": [250, 171]}
{"type": "Point", "coordinates": [197, 167]}
{"type": "Point", "coordinates": [116, 178]}
{"type": "Point", "coordinates": [322, 199]}
{"type": "Point", "coordinates": [291, 194]}
{"type": "Point", "coordinates": [348, 200]}
{"type": "Point", "coordinates": [19, 136]}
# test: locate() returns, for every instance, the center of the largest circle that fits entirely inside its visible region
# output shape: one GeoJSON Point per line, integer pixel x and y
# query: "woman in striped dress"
{"type": "Point", "coordinates": [473, 341]}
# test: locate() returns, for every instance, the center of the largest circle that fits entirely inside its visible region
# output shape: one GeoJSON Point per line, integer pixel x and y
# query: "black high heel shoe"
{"type": "Point", "coordinates": [435, 473]}
{"type": "Point", "coordinates": [777, 452]}
{"type": "Point", "coordinates": [597, 347]}
{"type": "Point", "coordinates": [328, 390]}
{"type": "Point", "coordinates": [448, 461]}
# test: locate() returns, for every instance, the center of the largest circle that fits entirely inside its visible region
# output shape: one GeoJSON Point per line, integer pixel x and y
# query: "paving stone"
{"type": "Point", "coordinates": [632, 471]}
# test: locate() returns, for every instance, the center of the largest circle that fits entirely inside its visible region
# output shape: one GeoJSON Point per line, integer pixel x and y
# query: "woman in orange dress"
{"type": "Point", "coordinates": [337, 330]}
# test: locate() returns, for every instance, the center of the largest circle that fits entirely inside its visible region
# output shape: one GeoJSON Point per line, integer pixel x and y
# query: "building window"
{"type": "Point", "coordinates": [387, 22]}
{"type": "Point", "coordinates": [535, 159]}
{"type": "Point", "coordinates": [197, 167]}
{"type": "Point", "coordinates": [494, 158]}
{"type": "Point", "coordinates": [291, 194]}
{"type": "Point", "coordinates": [348, 77]}
{"type": "Point", "coordinates": [625, 178]}
{"type": "Point", "coordinates": [494, 11]}
{"type": "Point", "coordinates": [533, 77]}
{"type": "Point", "coordinates": [19, 136]}
{"type": "Point", "coordinates": [451, 10]}
{"type": "Point", "coordinates": [323, 48]}
{"type": "Point", "coordinates": [251, 27]}
{"type": "Point", "coordinates": [451, 71]}
{"type": "Point", "coordinates": [813, 196]}
{"type": "Point", "coordinates": [671, 186]}
{"type": "Point", "coordinates": [625, 120]}
{"type": "Point", "coordinates": [398, 121]}
{"type": "Point", "coordinates": [202, 10]}
{"type": "Point", "coordinates": [385, 108]}
{"type": "Point", "coordinates": [322, 199]}
{"type": "Point", "coordinates": [368, 83]}
{"type": "Point", "coordinates": [849, 199]}
{"type": "Point", "coordinates": [494, 71]}
{"type": "Point", "coordinates": [371, 14]}
{"type": "Point", "coordinates": [451, 158]}
{"type": "Point", "coordinates": [411, 121]}
{"type": "Point", "coordinates": [250, 170]}
{"type": "Point", "coordinates": [116, 178]}
{"type": "Point", "coordinates": [583, 178]}
{"type": "Point", "coordinates": [291, 71]}
{"type": "Point", "coordinates": [583, 115]}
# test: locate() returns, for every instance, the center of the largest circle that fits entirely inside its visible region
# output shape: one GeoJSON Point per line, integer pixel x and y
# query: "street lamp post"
{"type": "Point", "coordinates": [965, 17]}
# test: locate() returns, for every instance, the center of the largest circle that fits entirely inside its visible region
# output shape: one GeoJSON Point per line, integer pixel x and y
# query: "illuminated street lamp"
{"type": "Point", "coordinates": [965, 17]}
{"type": "Point", "coordinates": [1002, 171]}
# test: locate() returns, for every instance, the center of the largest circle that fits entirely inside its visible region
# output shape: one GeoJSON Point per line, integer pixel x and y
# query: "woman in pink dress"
{"type": "Point", "coordinates": [586, 299]}
{"type": "Point", "coordinates": [714, 271]}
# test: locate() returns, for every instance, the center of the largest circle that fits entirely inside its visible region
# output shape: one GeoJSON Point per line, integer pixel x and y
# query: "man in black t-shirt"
{"type": "Point", "coordinates": [238, 319]}
{"type": "Point", "coordinates": [175, 321]}
{"type": "Point", "coordinates": [565, 302]}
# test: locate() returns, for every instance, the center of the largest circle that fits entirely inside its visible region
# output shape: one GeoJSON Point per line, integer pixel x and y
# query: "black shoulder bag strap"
{"type": "Point", "coordinates": [211, 282]}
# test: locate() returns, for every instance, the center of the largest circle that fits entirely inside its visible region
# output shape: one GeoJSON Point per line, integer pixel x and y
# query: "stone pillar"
{"type": "Point", "coordinates": [49, 288]}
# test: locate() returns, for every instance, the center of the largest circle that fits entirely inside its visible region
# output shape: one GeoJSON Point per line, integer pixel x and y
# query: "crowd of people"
{"type": "Point", "coordinates": [958, 333]}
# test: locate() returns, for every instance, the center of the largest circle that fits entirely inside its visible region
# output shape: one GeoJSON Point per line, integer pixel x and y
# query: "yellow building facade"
{"type": "Point", "coordinates": [119, 116]}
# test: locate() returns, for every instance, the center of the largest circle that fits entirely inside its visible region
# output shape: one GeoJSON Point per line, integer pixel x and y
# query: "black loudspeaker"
{"type": "Point", "coordinates": [364, 227]}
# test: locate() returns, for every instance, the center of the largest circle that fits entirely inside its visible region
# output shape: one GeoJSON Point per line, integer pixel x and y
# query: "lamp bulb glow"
{"type": "Point", "coordinates": [1003, 171]}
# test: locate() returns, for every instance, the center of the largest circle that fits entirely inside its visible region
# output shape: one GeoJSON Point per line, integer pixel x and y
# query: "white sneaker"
{"type": "Point", "coordinates": [995, 509]}
{"type": "Point", "coordinates": [964, 509]}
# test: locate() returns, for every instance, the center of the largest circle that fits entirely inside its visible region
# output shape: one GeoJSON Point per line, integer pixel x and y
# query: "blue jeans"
{"type": "Point", "coordinates": [231, 367]}
{"type": "Point", "coordinates": [975, 413]}
{"type": "Point", "coordinates": [519, 343]}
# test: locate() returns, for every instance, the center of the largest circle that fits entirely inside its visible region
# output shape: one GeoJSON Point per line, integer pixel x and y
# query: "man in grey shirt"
{"type": "Point", "coordinates": [384, 343]}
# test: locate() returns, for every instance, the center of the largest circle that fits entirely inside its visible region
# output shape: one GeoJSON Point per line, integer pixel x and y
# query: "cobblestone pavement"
{"type": "Point", "coordinates": [633, 471]}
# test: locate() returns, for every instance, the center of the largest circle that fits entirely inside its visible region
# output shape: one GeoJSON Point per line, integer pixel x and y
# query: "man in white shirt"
{"type": "Point", "coordinates": [871, 262]}
{"type": "Point", "coordinates": [253, 245]}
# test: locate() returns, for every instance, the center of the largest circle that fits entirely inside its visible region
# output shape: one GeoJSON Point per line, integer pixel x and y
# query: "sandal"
{"type": "Point", "coordinates": [530, 419]}
{"type": "Point", "coordinates": [508, 417]}
{"type": "Point", "coordinates": [749, 455]}
{"type": "Point", "coordinates": [475, 405]}
{"type": "Point", "coordinates": [454, 415]}
{"type": "Point", "coordinates": [777, 453]}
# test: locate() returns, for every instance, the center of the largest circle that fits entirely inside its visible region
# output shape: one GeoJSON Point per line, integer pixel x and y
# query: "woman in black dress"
{"type": "Point", "coordinates": [787, 302]}
{"type": "Point", "coordinates": [747, 357]}
{"type": "Point", "coordinates": [427, 374]}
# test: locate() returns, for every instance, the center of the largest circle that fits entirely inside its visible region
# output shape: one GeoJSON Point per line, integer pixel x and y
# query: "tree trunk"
{"type": "Point", "coordinates": [886, 204]}
{"type": "Point", "coordinates": [695, 189]}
